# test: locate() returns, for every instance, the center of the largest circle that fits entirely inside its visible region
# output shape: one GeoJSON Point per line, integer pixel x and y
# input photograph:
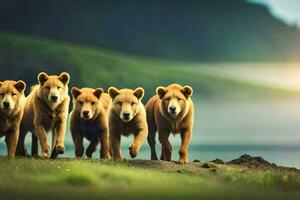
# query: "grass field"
{"type": "Point", "coordinates": [139, 179]}
{"type": "Point", "coordinates": [25, 56]}
{"type": "Point", "coordinates": [22, 57]}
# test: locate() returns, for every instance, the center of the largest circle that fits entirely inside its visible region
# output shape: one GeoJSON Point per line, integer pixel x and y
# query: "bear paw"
{"type": "Point", "coordinates": [89, 154]}
{"type": "Point", "coordinates": [105, 157]}
{"type": "Point", "coordinates": [22, 152]}
{"type": "Point", "coordinates": [45, 155]}
{"type": "Point", "coordinates": [60, 148]}
{"type": "Point", "coordinates": [182, 161]}
{"type": "Point", "coordinates": [118, 159]}
{"type": "Point", "coordinates": [133, 151]}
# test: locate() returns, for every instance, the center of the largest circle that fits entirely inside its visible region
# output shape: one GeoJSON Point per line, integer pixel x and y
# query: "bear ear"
{"type": "Point", "coordinates": [64, 77]}
{"type": "Point", "coordinates": [161, 91]}
{"type": "Point", "coordinates": [139, 93]}
{"type": "Point", "coordinates": [113, 92]}
{"type": "Point", "coordinates": [42, 78]}
{"type": "Point", "coordinates": [75, 92]}
{"type": "Point", "coordinates": [20, 86]}
{"type": "Point", "coordinates": [187, 91]}
{"type": "Point", "coordinates": [98, 92]}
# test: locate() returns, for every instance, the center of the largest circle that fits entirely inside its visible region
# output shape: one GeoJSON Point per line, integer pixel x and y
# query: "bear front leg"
{"type": "Point", "coordinates": [41, 134]}
{"type": "Point", "coordinates": [104, 140]}
{"type": "Point", "coordinates": [11, 140]}
{"type": "Point", "coordinates": [166, 150]}
{"type": "Point", "coordinates": [183, 150]}
{"type": "Point", "coordinates": [61, 130]}
{"type": "Point", "coordinates": [54, 152]}
{"type": "Point", "coordinates": [78, 142]}
{"type": "Point", "coordinates": [137, 142]}
{"type": "Point", "coordinates": [91, 148]}
{"type": "Point", "coordinates": [115, 145]}
{"type": "Point", "coordinates": [34, 145]}
{"type": "Point", "coordinates": [21, 150]}
{"type": "Point", "coordinates": [151, 142]}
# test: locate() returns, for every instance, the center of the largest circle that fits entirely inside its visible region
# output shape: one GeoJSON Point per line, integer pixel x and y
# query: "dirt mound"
{"type": "Point", "coordinates": [253, 162]}
{"type": "Point", "coordinates": [258, 163]}
{"type": "Point", "coordinates": [163, 165]}
{"type": "Point", "coordinates": [218, 161]}
{"type": "Point", "coordinates": [152, 164]}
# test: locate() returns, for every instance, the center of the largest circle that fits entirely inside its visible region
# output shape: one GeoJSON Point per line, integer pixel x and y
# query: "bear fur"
{"type": "Point", "coordinates": [171, 110]}
{"type": "Point", "coordinates": [46, 109]}
{"type": "Point", "coordinates": [89, 119]}
{"type": "Point", "coordinates": [127, 116]}
{"type": "Point", "coordinates": [12, 101]}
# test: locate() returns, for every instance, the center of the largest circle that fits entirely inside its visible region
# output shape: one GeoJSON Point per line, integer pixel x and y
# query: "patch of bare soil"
{"type": "Point", "coordinates": [166, 166]}
{"type": "Point", "coordinates": [196, 166]}
{"type": "Point", "coordinates": [253, 162]}
{"type": "Point", "coordinates": [257, 163]}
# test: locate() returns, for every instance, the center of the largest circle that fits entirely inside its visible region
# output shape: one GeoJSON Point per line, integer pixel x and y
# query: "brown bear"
{"type": "Point", "coordinates": [46, 109]}
{"type": "Point", "coordinates": [127, 116]}
{"type": "Point", "coordinates": [89, 119]}
{"type": "Point", "coordinates": [170, 111]}
{"type": "Point", "coordinates": [12, 100]}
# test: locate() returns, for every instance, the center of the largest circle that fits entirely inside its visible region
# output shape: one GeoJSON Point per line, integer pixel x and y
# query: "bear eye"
{"type": "Point", "coordinates": [179, 99]}
{"type": "Point", "coordinates": [93, 102]}
{"type": "Point", "coordinates": [168, 99]}
{"type": "Point", "coordinates": [58, 87]}
{"type": "Point", "coordinates": [133, 103]}
{"type": "Point", "coordinates": [119, 103]}
{"type": "Point", "coordinates": [1, 94]}
{"type": "Point", "coordinates": [48, 88]}
{"type": "Point", "coordinates": [80, 102]}
{"type": "Point", "coordinates": [13, 94]}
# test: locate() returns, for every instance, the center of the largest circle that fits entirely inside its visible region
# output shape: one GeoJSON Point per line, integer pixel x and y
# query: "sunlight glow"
{"type": "Point", "coordinates": [285, 10]}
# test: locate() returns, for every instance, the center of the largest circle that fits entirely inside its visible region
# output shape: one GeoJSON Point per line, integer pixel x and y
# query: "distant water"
{"type": "Point", "coordinates": [226, 130]}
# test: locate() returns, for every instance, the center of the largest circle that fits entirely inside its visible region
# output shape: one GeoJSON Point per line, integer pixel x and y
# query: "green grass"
{"type": "Point", "coordinates": [92, 179]}
{"type": "Point", "coordinates": [25, 56]}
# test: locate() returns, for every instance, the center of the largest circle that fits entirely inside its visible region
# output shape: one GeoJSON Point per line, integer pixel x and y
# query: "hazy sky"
{"type": "Point", "coordinates": [286, 10]}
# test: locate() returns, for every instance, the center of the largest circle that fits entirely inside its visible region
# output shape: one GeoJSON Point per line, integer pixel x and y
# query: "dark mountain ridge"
{"type": "Point", "coordinates": [193, 30]}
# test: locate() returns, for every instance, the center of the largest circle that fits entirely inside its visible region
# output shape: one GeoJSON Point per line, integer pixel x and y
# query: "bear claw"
{"type": "Point", "coordinates": [182, 161]}
{"type": "Point", "coordinates": [132, 151]}
{"type": "Point", "coordinates": [60, 149]}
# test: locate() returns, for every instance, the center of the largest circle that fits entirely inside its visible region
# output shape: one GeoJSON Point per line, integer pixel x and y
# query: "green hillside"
{"type": "Point", "coordinates": [23, 57]}
{"type": "Point", "coordinates": [193, 30]}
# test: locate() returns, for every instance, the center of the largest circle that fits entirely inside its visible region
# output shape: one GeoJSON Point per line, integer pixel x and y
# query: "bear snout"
{"type": "Point", "coordinates": [173, 109]}
{"type": "Point", "coordinates": [54, 98]}
{"type": "Point", "coordinates": [126, 115]}
{"type": "Point", "coordinates": [86, 114]}
{"type": "Point", "coordinates": [6, 104]}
